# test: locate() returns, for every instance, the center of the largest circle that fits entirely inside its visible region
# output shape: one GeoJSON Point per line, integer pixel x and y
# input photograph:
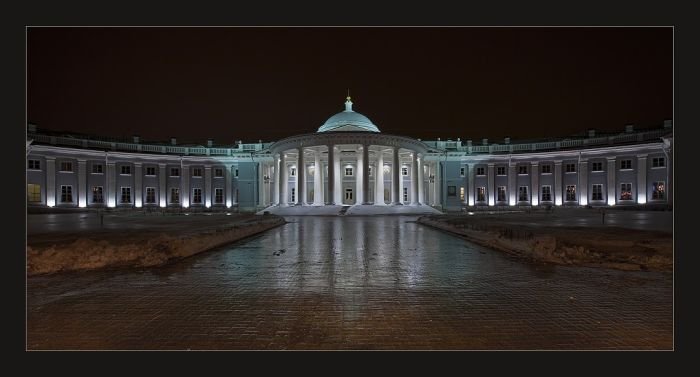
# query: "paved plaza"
{"type": "Point", "coordinates": [352, 283]}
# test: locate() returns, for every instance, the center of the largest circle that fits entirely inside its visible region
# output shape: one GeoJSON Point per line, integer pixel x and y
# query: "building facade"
{"type": "Point", "coordinates": [348, 161]}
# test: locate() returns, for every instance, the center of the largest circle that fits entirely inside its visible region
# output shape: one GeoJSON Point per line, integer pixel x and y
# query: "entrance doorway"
{"type": "Point", "coordinates": [348, 196]}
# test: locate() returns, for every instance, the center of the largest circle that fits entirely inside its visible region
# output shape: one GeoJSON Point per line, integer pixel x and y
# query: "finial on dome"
{"type": "Point", "coordinates": [348, 103]}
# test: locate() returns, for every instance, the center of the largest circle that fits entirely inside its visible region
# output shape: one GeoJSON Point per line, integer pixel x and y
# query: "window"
{"type": "Point", "coordinates": [522, 169]}
{"type": "Point", "coordinates": [174, 195]}
{"type": "Point", "coordinates": [197, 196]}
{"type": "Point", "coordinates": [33, 193]}
{"type": "Point", "coordinates": [658, 162]}
{"type": "Point", "coordinates": [235, 173]}
{"type": "Point", "coordinates": [218, 195]}
{"type": "Point", "coordinates": [151, 170]}
{"type": "Point", "coordinates": [547, 169]}
{"type": "Point", "coordinates": [522, 194]}
{"type": "Point", "coordinates": [369, 170]}
{"type": "Point", "coordinates": [625, 164]}
{"type": "Point", "coordinates": [174, 172]}
{"type": "Point", "coordinates": [481, 194]}
{"type": "Point", "coordinates": [480, 171]}
{"type": "Point", "coordinates": [97, 169]}
{"type": "Point", "coordinates": [404, 171]}
{"type": "Point", "coordinates": [293, 198]}
{"type": "Point", "coordinates": [461, 193]}
{"type": "Point", "coordinates": [66, 166]}
{"type": "Point", "coordinates": [625, 191]}
{"type": "Point", "coordinates": [126, 170]}
{"type": "Point", "coordinates": [97, 196]}
{"type": "Point", "coordinates": [501, 191]}
{"type": "Point", "coordinates": [293, 172]}
{"type": "Point", "coordinates": [34, 165]}
{"type": "Point", "coordinates": [348, 171]}
{"type": "Point", "coordinates": [500, 170]}
{"type": "Point", "coordinates": [452, 190]}
{"type": "Point", "coordinates": [461, 172]}
{"type": "Point", "coordinates": [597, 192]}
{"type": "Point", "coordinates": [570, 168]}
{"type": "Point", "coordinates": [659, 190]}
{"type": "Point", "coordinates": [66, 194]}
{"type": "Point", "coordinates": [150, 195]}
{"type": "Point", "coordinates": [218, 173]}
{"type": "Point", "coordinates": [197, 172]}
{"type": "Point", "coordinates": [597, 166]}
{"type": "Point", "coordinates": [405, 194]}
{"type": "Point", "coordinates": [546, 193]}
{"type": "Point", "coordinates": [126, 195]}
{"type": "Point", "coordinates": [571, 193]}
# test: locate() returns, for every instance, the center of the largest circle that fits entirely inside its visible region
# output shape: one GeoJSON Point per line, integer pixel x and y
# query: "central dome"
{"type": "Point", "coordinates": [348, 120]}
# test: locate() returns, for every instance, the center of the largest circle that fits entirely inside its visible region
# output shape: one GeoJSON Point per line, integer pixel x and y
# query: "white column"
{"type": "Point", "coordinates": [111, 181]}
{"type": "Point", "coordinates": [332, 187]}
{"type": "Point", "coordinates": [583, 183]}
{"type": "Point", "coordinates": [138, 189]}
{"type": "Point", "coordinates": [421, 191]}
{"type": "Point", "coordinates": [51, 181]}
{"type": "Point", "coordinates": [438, 185]}
{"type": "Point", "coordinates": [228, 176]}
{"type": "Point", "coordinates": [534, 183]}
{"type": "Point", "coordinates": [284, 173]}
{"type": "Point", "coordinates": [379, 179]}
{"type": "Point", "coordinates": [261, 184]}
{"type": "Point", "coordinates": [414, 178]}
{"type": "Point", "coordinates": [558, 199]}
{"type": "Point", "coordinates": [396, 177]}
{"type": "Point", "coordinates": [365, 174]}
{"type": "Point", "coordinates": [512, 184]}
{"type": "Point", "coordinates": [337, 176]}
{"type": "Point", "coordinates": [358, 177]}
{"type": "Point", "coordinates": [612, 198]}
{"type": "Point", "coordinates": [207, 186]}
{"type": "Point", "coordinates": [300, 198]}
{"type": "Point", "coordinates": [318, 180]}
{"type": "Point", "coordinates": [491, 189]}
{"type": "Point", "coordinates": [469, 200]}
{"type": "Point", "coordinates": [185, 186]}
{"type": "Point", "coordinates": [642, 178]}
{"type": "Point", "coordinates": [162, 185]}
{"type": "Point", "coordinates": [276, 181]}
{"type": "Point", "coordinates": [82, 183]}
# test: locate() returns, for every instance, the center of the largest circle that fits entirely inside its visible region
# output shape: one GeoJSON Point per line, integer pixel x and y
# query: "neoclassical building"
{"type": "Point", "coordinates": [348, 161]}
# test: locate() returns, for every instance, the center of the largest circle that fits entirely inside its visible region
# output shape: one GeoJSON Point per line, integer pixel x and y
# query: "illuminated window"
{"type": "Point", "coordinates": [500, 170]}
{"type": "Point", "coordinates": [197, 172]}
{"type": "Point", "coordinates": [546, 193]}
{"type": "Point", "coordinates": [126, 195]}
{"type": "Point", "coordinates": [34, 165]}
{"type": "Point", "coordinates": [597, 193]}
{"type": "Point", "coordinates": [546, 169]}
{"type": "Point", "coordinates": [66, 166]}
{"type": "Point", "coordinates": [658, 162]}
{"type": "Point", "coordinates": [66, 194]}
{"type": "Point", "coordinates": [174, 172]}
{"type": "Point", "coordinates": [501, 194]}
{"type": "Point", "coordinates": [481, 194]}
{"type": "Point", "coordinates": [174, 195]}
{"type": "Point", "coordinates": [625, 191]}
{"type": "Point", "coordinates": [33, 193]}
{"type": "Point", "coordinates": [126, 170]}
{"type": "Point", "coordinates": [97, 169]}
{"type": "Point", "coordinates": [461, 193]}
{"type": "Point", "coordinates": [197, 196]}
{"type": "Point", "coordinates": [522, 194]}
{"type": "Point", "coordinates": [150, 171]}
{"type": "Point", "coordinates": [571, 193]}
{"type": "Point", "coordinates": [218, 195]}
{"type": "Point", "coordinates": [625, 164]}
{"type": "Point", "coordinates": [659, 190]}
{"type": "Point", "coordinates": [150, 195]}
{"type": "Point", "coordinates": [570, 168]}
{"type": "Point", "coordinates": [97, 196]}
{"type": "Point", "coordinates": [522, 169]}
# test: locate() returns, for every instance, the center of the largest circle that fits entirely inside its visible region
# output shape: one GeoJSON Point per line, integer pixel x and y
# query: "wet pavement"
{"type": "Point", "coordinates": [352, 283]}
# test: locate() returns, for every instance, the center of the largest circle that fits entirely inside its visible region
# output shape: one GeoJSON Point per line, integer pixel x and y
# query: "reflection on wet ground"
{"type": "Point", "coordinates": [352, 283]}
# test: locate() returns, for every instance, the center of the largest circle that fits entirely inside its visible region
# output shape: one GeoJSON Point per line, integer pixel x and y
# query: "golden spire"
{"type": "Point", "coordinates": [348, 97]}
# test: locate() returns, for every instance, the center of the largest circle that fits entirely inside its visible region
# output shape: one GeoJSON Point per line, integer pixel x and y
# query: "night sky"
{"type": "Point", "coordinates": [268, 83]}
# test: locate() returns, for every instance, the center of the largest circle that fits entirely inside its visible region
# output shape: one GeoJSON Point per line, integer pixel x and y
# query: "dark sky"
{"type": "Point", "coordinates": [268, 83]}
